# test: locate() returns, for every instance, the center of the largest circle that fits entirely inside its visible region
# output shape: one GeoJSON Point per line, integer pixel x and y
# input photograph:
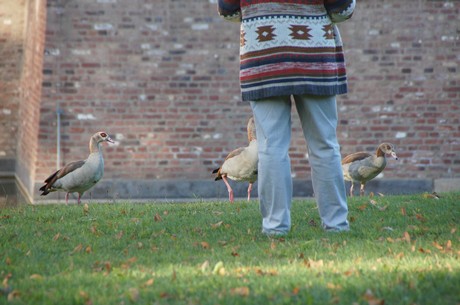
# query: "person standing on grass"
{"type": "Point", "coordinates": [291, 52]}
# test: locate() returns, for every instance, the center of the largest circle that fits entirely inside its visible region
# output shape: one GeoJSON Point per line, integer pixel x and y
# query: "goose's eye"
{"type": "Point", "coordinates": [103, 134]}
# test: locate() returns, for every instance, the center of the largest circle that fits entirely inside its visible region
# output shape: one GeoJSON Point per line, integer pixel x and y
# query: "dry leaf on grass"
{"type": "Point", "coordinates": [217, 224]}
{"type": "Point", "coordinates": [241, 291]}
{"type": "Point", "coordinates": [403, 211]}
{"type": "Point", "coordinates": [313, 264]}
{"type": "Point", "coordinates": [407, 237]}
{"type": "Point", "coordinates": [6, 278]}
{"type": "Point", "coordinates": [77, 249]}
{"type": "Point", "coordinates": [219, 268]}
{"type": "Point", "coordinates": [15, 294]}
{"type": "Point", "coordinates": [204, 266]}
{"type": "Point", "coordinates": [157, 217]}
{"type": "Point", "coordinates": [36, 277]}
{"type": "Point", "coordinates": [85, 209]}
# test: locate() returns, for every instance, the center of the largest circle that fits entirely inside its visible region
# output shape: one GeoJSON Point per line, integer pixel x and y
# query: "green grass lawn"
{"type": "Point", "coordinates": [400, 250]}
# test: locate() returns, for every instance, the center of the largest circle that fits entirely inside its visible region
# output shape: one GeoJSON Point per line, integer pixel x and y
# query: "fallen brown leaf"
{"type": "Point", "coordinates": [313, 264]}
{"type": "Point", "coordinates": [403, 211]}
{"type": "Point", "coordinates": [407, 237]}
{"type": "Point", "coordinates": [36, 277]}
{"type": "Point", "coordinates": [148, 283]}
{"type": "Point", "coordinates": [108, 268]}
{"type": "Point", "coordinates": [204, 266]}
{"type": "Point", "coordinates": [77, 249]}
{"type": "Point", "coordinates": [85, 209]}
{"type": "Point", "coordinates": [421, 250]}
{"type": "Point", "coordinates": [15, 294]}
{"type": "Point", "coordinates": [6, 278]}
{"type": "Point", "coordinates": [420, 217]}
{"type": "Point", "coordinates": [241, 291]}
{"type": "Point", "coordinates": [217, 224]}
{"type": "Point", "coordinates": [219, 268]}
{"type": "Point", "coordinates": [449, 246]}
{"type": "Point", "coordinates": [157, 217]}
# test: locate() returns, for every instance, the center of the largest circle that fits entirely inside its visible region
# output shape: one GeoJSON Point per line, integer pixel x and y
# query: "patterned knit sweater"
{"type": "Point", "coordinates": [289, 47]}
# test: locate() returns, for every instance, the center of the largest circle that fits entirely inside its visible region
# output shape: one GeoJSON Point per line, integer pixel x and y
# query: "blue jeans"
{"type": "Point", "coordinates": [318, 116]}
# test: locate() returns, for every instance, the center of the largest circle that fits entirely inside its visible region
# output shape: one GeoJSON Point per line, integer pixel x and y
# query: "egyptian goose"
{"type": "Point", "coordinates": [79, 176]}
{"type": "Point", "coordinates": [241, 164]}
{"type": "Point", "coordinates": [362, 167]}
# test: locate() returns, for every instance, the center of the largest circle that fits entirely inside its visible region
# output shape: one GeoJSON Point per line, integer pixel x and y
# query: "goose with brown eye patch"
{"type": "Point", "coordinates": [79, 176]}
{"type": "Point", "coordinates": [361, 167]}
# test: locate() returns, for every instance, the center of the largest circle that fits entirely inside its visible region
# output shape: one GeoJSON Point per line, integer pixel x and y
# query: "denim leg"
{"type": "Point", "coordinates": [318, 115]}
{"type": "Point", "coordinates": [273, 127]}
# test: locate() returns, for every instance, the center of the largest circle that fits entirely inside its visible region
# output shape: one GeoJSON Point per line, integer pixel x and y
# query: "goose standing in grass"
{"type": "Point", "coordinates": [79, 176]}
{"type": "Point", "coordinates": [241, 164]}
{"type": "Point", "coordinates": [362, 167]}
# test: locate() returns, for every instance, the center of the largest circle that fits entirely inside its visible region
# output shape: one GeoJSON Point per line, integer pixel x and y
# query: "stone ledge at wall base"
{"type": "Point", "coordinates": [11, 193]}
{"type": "Point", "coordinates": [443, 185]}
{"type": "Point", "coordinates": [113, 191]}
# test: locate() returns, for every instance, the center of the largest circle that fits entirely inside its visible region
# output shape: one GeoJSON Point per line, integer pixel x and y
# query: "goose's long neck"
{"type": "Point", "coordinates": [94, 146]}
{"type": "Point", "coordinates": [252, 133]}
{"type": "Point", "coordinates": [379, 159]}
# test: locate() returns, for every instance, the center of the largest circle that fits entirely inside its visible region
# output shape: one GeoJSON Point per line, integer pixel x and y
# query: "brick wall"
{"type": "Point", "coordinates": [22, 25]}
{"type": "Point", "coordinates": [30, 93]}
{"type": "Point", "coordinates": [11, 37]}
{"type": "Point", "coordinates": [162, 78]}
{"type": "Point", "coordinates": [403, 59]}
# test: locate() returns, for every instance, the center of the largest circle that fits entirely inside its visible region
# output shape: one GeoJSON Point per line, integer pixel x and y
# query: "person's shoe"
{"type": "Point", "coordinates": [337, 230]}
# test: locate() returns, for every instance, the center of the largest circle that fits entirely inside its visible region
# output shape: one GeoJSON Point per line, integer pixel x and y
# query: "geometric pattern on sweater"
{"type": "Point", "coordinates": [284, 31]}
{"type": "Point", "coordinates": [290, 47]}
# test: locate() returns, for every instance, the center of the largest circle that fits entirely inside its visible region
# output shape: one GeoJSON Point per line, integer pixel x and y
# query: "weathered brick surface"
{"type": "Point", "coordinates": [22, 28]}
{"type": "Point", "coordinates": [11, 50]}
{"type": "Point", "coordinates": [31, 84]}
{"type": "Point", "coordinates": [162, 78]}
{"type": "Point", "coordinates": [403, 59]}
